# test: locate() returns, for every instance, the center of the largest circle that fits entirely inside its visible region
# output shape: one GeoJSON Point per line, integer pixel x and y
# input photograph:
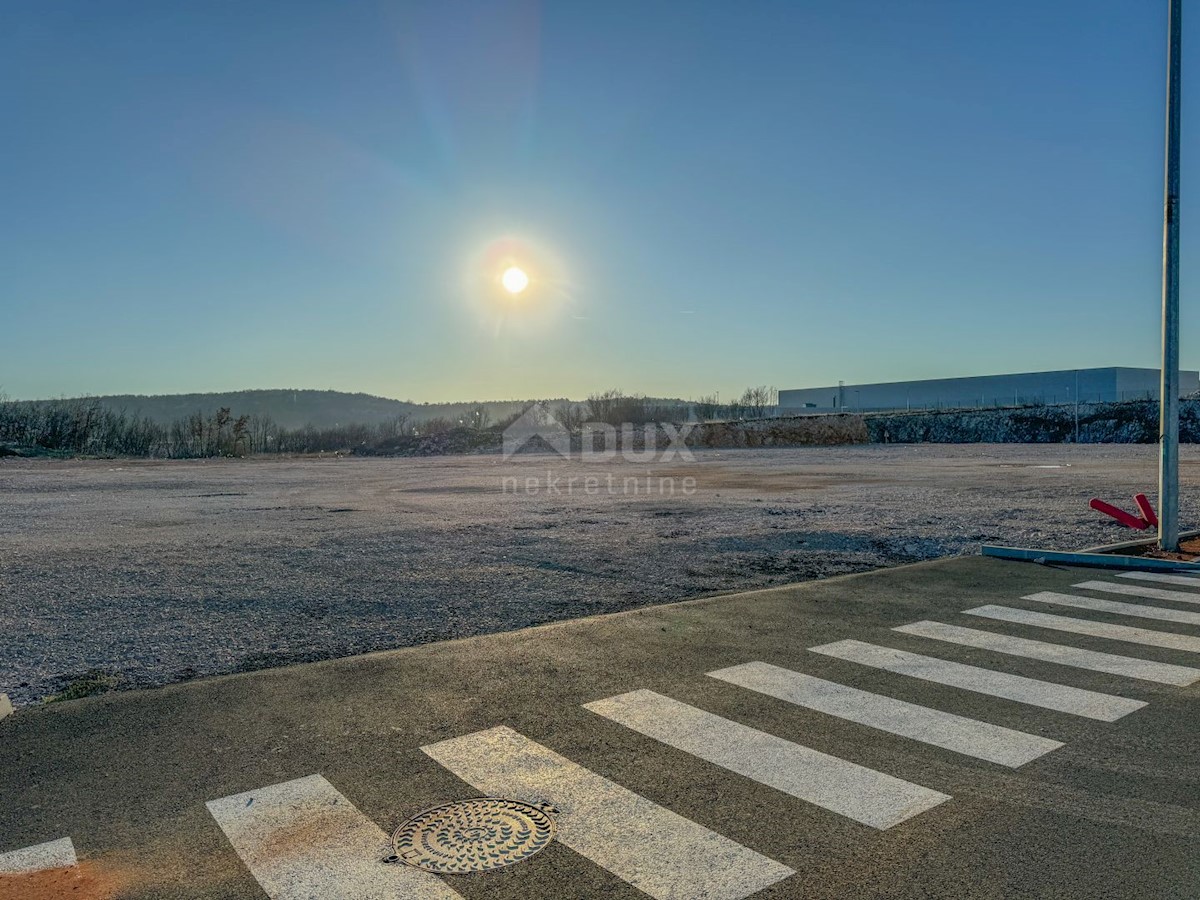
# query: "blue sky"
{"type": "Point", "coordinates": [224, 195]}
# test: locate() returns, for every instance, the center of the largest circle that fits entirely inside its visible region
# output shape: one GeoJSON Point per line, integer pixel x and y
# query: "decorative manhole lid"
{"type": "Point", "coordinates": [473, 835]}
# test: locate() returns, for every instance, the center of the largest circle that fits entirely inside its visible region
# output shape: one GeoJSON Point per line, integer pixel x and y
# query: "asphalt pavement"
{"type": "Point", "coordinates": [1018, 736]}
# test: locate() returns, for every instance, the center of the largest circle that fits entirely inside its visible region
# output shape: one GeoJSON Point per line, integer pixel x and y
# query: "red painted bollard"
{"type": "Point", "coordinates": [1146, 510]}
{"type": "Point", "coordinates": [1119, 514]}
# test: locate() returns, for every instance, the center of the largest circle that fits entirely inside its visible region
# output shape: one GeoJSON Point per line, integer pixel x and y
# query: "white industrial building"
{"type": "Point", "coordinates": [1104, 385]}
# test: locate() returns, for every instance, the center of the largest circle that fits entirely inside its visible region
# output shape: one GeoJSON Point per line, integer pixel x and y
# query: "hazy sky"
{"type": "Point", "coordinates": [213, 195]}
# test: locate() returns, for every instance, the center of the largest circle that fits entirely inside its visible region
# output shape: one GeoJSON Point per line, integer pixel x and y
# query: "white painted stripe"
{"type": "Point", "coordinates": [58, 854]}
{"type": "Point", "coordinates": [1138, 610]}
{"type": "Point", "coordinates": [6, 707]}
{"type": "Point", "coordinates": [846, 788]}
{"type": "Point", "coordinates": [302, 840]}
{"type": "Point", "coordinates": [1127, 666]}
{"type": "Point", "coordinates": [1161, 578]}
{"type": "Point", "coordinates": [1125, 633]}
{"type": "Point", "coordinates": [1046, 694]}
{"type": "Point", "coordinates": [657, 851]}
{"type": "Point", "coordinates": [1137, 590]}
{"type": "Point", "coordinates": [930, 726]}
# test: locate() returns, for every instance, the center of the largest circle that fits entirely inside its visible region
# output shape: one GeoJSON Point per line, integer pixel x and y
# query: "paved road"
{"type": "Point", "coordinates": [971, 728]}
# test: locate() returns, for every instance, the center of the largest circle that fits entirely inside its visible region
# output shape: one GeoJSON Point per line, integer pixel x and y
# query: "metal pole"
{"type": "Point", "coordinates": [1168, 394]}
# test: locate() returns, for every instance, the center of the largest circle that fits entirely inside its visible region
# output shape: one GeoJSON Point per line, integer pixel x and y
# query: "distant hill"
{"type": "Point", "coordinates": [296, 408]}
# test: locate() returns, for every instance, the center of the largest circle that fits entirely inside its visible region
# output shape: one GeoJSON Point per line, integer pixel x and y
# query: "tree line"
{"type": "Point", "coordinates": [89, 427]}
{"type": "Point", "coordinates": [86, 427]}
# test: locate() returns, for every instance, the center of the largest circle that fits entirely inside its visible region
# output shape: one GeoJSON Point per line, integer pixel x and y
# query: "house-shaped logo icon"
{"type": "Point", "coordinates": [538, 425]}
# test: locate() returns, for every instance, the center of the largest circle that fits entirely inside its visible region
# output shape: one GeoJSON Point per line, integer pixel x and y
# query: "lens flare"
{"type": "Point", "coordinates": [514, 279]}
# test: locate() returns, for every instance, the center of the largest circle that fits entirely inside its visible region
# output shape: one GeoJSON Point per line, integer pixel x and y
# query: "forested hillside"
{"type": "Point", "coordinates": [296, 408]}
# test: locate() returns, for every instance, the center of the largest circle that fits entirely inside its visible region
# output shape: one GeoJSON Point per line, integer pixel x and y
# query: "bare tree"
{"type": "Point", "coordinates": [570, 416]}
{"type": "Point", "coordinates": [614, 407]}
{"type": "Point", "coordinates": [263, 434]}
{"type": "Point", "coordinates": [755, 401]}
{"type": "Point", "coordinates": [240, 436]}
{"type": "Point", "coordinates": [220, 422]}
{"type": "Point", "coordinates": [707, 408]}
{"type": "Point", "coordinates": [602, 407]}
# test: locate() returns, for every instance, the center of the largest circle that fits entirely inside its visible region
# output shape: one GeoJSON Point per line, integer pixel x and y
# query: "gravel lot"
{"type": "Point", "coordinates": [147, 572]}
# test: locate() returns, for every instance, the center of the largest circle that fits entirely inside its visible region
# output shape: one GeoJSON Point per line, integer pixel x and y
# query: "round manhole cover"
{"type": "Point", "coordinates": [473, 835]}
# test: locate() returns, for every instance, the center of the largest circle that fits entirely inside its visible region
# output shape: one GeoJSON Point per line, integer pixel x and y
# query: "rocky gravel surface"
{"type": "Point", "coordinates": [140, 573]}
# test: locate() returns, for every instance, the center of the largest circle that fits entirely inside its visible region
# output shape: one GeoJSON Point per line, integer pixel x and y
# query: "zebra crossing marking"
{"type": "Point", "coordinates": [1189, 580]}
{"type": "Point", "coordinates": [969, 737]}
{"type": "Point", "coordinates": [302, 839]}
{"type": "Point", "coordinates": [1144, 636]}
{"type": "Point", "coordinates": [58, 854]}
{"type": "Point", "coordinates": [1115, 608]}
{"type": "Point", "coordinates": [1137, 590]}
{"type": "Point", "coordinates": [1093, 660]}
{"type": "Point", "coordinates": [659, 852]}
{"type": "Point", "coordinates": [857, 792]}
{"type": "Point", "coordinates": [1031, 691]}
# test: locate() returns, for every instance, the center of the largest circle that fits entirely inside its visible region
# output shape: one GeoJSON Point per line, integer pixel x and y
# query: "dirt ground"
{"type": "Point", "coordinates": [137, 573]}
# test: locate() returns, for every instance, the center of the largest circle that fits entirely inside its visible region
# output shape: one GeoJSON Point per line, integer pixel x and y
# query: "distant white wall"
{"type": "Point", "coordinates": [1064, 386]}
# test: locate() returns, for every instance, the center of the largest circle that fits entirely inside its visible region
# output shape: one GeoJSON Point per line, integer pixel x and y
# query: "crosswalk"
{"type": "Point", "coordinates": [49, 869]}
{"type": "Point", "coordinates": [1063, 655]}
{"type": "Point", "coordinates": [843, 787]}
{"type": "Point", "coordinates": [969, 737]}
{"type": "Point", "coordinates": [1116, 607]}
{"type": "Point", "coordinates": [1089, 627]}
{"type": "Point", "coordinates": [1046, 694]}
{"type": "Point", "coordinates": [56, 854]}
{"type": "Point", "coordinates": [1137, 590]}
{"type": "Point", "coordinates": [652, 848]}
{"type": "Point", "coordinates": [303, 838]}
{"type": "Point", "coordinates": [1162, 578]}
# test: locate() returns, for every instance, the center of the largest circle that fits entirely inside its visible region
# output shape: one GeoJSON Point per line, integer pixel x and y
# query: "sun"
{"type": "Point", "coordinates": [514, 279]}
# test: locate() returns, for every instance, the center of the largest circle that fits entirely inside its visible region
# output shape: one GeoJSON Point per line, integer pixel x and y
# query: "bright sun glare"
{"type": "Point", "coordinates": [514, 279]}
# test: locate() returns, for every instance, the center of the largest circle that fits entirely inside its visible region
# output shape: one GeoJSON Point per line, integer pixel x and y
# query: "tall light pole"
{"type": "Point", "coordinates": [1168, 394]}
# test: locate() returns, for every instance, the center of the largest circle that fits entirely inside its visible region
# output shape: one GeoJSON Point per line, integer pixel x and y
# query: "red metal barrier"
{"type": "Point", "coordinates": [1146, 510]}
{"type": "Point", "coordinates": [1119, 514]}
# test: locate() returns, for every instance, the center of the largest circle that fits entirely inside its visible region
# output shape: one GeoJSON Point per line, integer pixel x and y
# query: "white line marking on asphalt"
{"type": "Point", "coordinates": [1137, 610]}
{"type": "Point", "coordinates": [846, 788]}
{"type": "Point", "coordinates": [58, 854]}
{"type": "Point", "coordinates": [1127, 666]}
{"type": "Point", "coordinates": [1189, 580]}
{"type": "Point", "coordinates": [1136, 590]}
{"type": "Point", "coordinates": [1125, 633]}
{"type": "Point", "coordinates": [6, 707]}
{"type": "Point", "coordinates": [657, 851]}
{"type": "Point", "coordinates": [303, 840]}
{"type": "Point", "coordinates": [931, 726]}
{"type": "Point", "coordinates": [1046, 694]}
